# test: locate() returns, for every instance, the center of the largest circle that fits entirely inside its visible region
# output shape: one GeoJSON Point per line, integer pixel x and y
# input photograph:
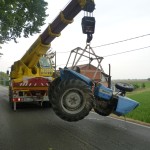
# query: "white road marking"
{"type": "Point", "coordinates": [124, 121]}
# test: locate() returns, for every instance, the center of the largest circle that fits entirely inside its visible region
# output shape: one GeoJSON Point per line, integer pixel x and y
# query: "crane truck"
{"type": "Point", "coordinates": [72, 95]}
{"type": "Point", "coordinates": [32, 74]}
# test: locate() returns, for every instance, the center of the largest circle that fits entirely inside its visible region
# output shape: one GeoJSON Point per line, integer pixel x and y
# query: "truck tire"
{"type": "Point", "coordinates": [46, 104]}
{"type": "Point", "coordinates": [73, 100]}
{"type": "Point", "coordinates": [10, 98]}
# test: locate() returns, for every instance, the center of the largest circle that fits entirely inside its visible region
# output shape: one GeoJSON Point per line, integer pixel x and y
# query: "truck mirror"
{"type": "Point", "coordinates": [7, 72]}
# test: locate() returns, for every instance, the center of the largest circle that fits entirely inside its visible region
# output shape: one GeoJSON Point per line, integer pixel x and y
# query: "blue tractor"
{"type": "Point", "coordinates": [73, 95]}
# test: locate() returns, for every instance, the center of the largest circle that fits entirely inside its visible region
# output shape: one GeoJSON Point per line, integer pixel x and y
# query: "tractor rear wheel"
{"type": "Point", "coordinates": [73, 100]}
{"type": "Point", "coordinates": [53, 85]}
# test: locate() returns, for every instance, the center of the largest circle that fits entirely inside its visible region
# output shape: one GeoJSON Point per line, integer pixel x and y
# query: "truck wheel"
{"type": "Point", "coordinates": [46, 104]}
{"type": "Point", "coordinates": [52, 87]}
{"type": "Point", "coordinates": [73, 100]}
{"type": "Point", "coordinates": [10, 98]}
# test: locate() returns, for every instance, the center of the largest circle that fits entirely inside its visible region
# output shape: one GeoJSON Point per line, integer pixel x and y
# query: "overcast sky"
{"type": "Point", "coordinates": [116, 20]}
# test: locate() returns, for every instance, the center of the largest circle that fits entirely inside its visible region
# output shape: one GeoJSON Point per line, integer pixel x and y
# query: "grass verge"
{"type": "Point", "coordinates": [141, 113]}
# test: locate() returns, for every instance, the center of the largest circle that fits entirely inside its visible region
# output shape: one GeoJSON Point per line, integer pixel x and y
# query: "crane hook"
{"type": "Point", "coordinates": [89, 38]}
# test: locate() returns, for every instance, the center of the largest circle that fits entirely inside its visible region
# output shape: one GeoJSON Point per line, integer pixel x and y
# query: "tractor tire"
{"type": "Point", "coordinates": [102, 112]}
{"type": "Point", "coordinates": [124, 87]}
{"type": "Point", "coordinates": [73, 100]}
{"type": "Point", "coordinates": [102, 108]}
{"type": "Point", "coordinates": [52, 87]}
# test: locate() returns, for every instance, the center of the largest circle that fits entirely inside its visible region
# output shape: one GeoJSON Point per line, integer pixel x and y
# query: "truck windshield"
{"type": "Point", "coordinates": [44, 63]}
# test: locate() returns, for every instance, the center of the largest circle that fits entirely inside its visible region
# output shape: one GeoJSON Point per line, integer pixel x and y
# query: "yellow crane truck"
{"type": "Point", "coordinates": [32, 74]}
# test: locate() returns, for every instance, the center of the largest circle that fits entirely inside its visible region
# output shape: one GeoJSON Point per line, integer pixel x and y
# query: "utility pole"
{"type": "Point", "coordinates": [109, 78]}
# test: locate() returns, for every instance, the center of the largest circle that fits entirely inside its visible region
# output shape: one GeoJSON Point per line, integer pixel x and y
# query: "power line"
{"type": "Point", "coordinates": [121, 41]}
{"type": "Point", "coordinates": [71, 63]}
{"type": "Point", "coordinates": [64, 52]}
{"type": "Point", "coordinates": [127, 51]}
{"type": "Point", "coordinates": [107, 44]}
{"type": "Point", "coordinates": [116, 54]}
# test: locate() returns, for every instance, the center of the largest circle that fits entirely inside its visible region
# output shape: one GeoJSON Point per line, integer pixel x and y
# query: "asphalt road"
{"type": "Point", "coordinates": [34, 128]}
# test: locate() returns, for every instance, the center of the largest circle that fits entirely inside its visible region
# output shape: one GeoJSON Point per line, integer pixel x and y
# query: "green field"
{"type": "Point", "coordinates": [142, 95]}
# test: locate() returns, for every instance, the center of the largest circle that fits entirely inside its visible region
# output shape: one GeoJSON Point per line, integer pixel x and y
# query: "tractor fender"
{"type": "Point", "coordinates": [71, 74]}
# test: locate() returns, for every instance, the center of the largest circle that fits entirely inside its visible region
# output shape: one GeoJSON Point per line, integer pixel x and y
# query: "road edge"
{"type": "Point", "coordinates": [130, 120]}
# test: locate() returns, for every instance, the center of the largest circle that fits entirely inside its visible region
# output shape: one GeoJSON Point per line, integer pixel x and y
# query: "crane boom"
{"type": "Point", "coordinates": [65, 17]}
{"type": "Point", "coordinates": [27, 65]}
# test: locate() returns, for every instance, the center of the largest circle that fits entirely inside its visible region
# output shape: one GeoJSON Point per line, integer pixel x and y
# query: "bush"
{"type": "Point", "coordinates": [136, 86]}
{"type": "Point", "coordinates": [143, 85]}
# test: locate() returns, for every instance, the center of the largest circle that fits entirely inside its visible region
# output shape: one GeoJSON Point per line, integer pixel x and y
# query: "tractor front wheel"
{"type": "Point", "coordinates": [73, 100]}
{"type": "Point", "coordinates": [124, 87]}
